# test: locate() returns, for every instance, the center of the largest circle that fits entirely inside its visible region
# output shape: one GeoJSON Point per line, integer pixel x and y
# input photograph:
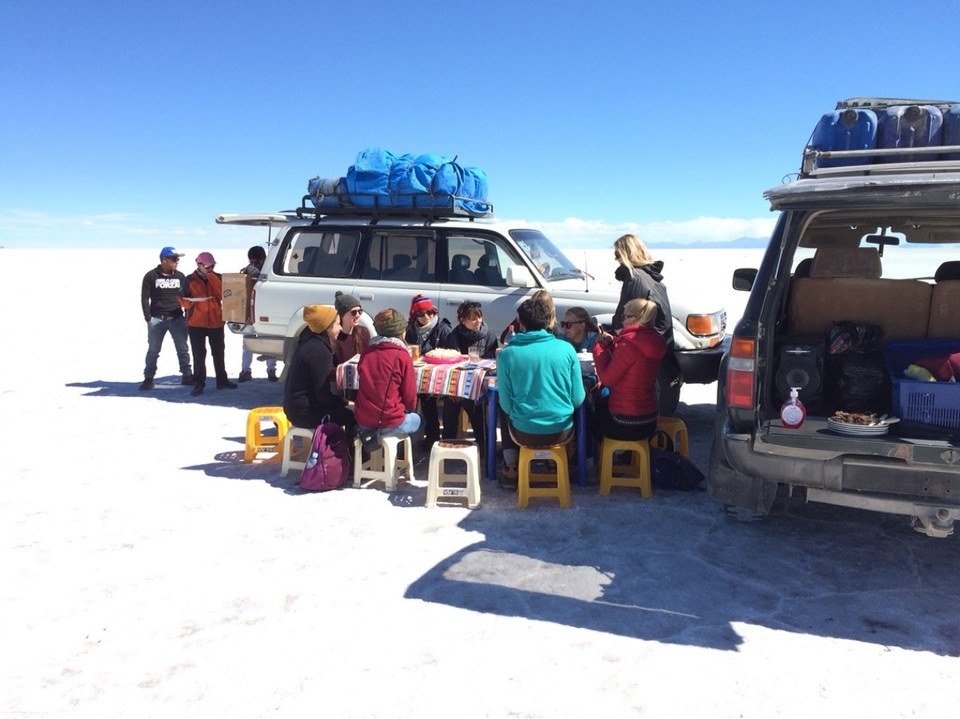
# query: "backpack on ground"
{"type": "Point", "coordinates": [328, 464]}
{"type": "Point", "coordinates": [670, 470]}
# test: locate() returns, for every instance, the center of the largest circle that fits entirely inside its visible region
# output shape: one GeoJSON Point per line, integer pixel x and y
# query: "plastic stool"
{"type": "Point", "coordinates": [636, 474]}
{"type": "Point", "coordinates": [560, 481]}
{"type": "Point", "coordinates": [256, 441]}
{"type": "Point", "coordinates": [677, 431]}
{"type": "Point", "coordinates": [288, 461]}
{"type": "Point", "coordinates": [439, 479]}
{"type": "Point", "coordinates": [384, 464]}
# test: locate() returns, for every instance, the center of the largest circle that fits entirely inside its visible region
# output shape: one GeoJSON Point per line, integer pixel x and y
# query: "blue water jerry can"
{"type": "Point", "coordinates": [850, 129]}
{"type": "Point", "coordinates": [951, 131]}
{"type": "Point", "coordinates": [910, 126]}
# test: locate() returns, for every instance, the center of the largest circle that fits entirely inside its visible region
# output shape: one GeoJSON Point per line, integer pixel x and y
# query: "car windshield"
{"type": "Point", "coordinates": [549, 259]}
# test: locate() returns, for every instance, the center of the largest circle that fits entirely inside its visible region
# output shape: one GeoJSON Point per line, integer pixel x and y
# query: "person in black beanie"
{"type": "Point", "coordinates": [353, 338]}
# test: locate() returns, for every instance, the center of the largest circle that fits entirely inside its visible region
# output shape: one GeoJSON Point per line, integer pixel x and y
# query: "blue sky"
{"type": "Point", "coordinates": [131, 124]}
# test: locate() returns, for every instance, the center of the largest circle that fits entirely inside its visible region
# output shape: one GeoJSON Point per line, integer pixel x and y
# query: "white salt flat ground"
{"type": "Point", "coordinates": [148, 572]}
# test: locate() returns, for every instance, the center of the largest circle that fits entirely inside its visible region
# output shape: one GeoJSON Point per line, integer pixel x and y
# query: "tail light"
{"type": "Point", "coordinates": [741, 373]}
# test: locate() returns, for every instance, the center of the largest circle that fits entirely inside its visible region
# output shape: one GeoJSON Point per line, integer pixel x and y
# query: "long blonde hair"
{"type": "Point", "coordinates": [631, 252]}
{"type": "Point", "coordinates": [644, 310]}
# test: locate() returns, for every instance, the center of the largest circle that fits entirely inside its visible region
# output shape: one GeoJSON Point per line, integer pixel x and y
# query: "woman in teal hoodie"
{"type": "Point", "coordinates": [539, 386]}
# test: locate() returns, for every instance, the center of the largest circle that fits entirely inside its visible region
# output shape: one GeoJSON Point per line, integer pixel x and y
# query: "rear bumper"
{"type": "Point", "coordinates": [702, 366]}
{"type": "Point", "coordinates": [268, 346]}
{"type": "Point", "coordinates": [901, 469]}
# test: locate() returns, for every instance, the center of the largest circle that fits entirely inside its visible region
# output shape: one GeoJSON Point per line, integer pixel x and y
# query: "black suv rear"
{"type": "Point", "coordinates": [860, 280]}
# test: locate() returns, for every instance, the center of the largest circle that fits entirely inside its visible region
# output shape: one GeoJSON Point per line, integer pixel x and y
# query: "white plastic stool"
{"type": "Point", "coordinates": [288, 461]}
{"type": "Point", "coordinates": [385, 464]}
{"type": "Point", "coordinates": [467, 486]}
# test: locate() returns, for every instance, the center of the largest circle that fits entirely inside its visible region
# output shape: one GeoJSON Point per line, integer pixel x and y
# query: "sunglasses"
{"type": "Point", "coordinates": [421, 313]}
{"type": "Point", "coordinates": [356, 313]}
{"type": "Point", "coordinates": [172, 259]}
{"type": "Point", "coordinates": [567, 325]}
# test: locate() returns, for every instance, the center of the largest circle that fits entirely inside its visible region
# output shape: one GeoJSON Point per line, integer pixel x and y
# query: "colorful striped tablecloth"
{"type": "Point", "coordinates": [453, 380]}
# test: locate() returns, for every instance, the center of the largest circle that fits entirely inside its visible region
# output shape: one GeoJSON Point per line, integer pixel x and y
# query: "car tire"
{"type": "Point", "coordinates": [669, 383]}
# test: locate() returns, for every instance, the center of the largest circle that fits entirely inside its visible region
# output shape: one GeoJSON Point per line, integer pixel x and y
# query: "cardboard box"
{"type": "Point", "coordinates": [236, 296]}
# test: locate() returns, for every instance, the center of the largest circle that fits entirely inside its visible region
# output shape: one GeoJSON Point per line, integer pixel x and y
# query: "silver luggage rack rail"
{"type": "Point", "coordinates": [870, 166]}
{"type": "Point", "coordinates": [418, 205]}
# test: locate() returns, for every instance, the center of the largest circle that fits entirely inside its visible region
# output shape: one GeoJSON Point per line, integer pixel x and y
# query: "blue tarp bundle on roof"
{"type": "Point", "coordinates": [378, 177]}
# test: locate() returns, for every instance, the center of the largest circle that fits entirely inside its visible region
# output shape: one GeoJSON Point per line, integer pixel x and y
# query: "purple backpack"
{"type": "Point", "coordinates": [328, 464]}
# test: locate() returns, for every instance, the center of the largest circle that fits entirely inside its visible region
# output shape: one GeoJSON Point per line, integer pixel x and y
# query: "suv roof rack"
{"type": "Point", "coordinates": [412, 205]}
{"type": "Point", "coordinates": [879, 160]}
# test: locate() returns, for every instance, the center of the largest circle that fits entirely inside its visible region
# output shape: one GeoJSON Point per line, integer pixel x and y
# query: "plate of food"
{"type": "Point", "coordinates": [860, 424]}
{"type": "Point", "coordinates": [441, 356]}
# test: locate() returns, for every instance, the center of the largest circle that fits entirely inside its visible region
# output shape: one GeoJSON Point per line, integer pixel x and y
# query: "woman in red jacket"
{"type": "Point", "coordinates": [204, 297]}
{"type": "Point", "coordinates": [387, 394]}
{"type": "Point", "coordinates": [628, 366]}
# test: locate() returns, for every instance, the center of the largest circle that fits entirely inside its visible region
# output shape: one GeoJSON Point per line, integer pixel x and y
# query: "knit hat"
{"type": "Point", "coordinates": [421, 303]}
{"type": "Point", "coordinates": [389, 323]}
{"type": "Point", "coordinates": [344, 303]}
{"type": "Point", "coordinates": [206, 259]}
{"type": "Point", "coordinates": [319, 317]}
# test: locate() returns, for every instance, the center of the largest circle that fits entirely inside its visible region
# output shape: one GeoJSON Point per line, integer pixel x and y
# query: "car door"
{"type": "Point", "coordinates": [398, 264]}
{"type": "Point", "coordinates": [476, 266]}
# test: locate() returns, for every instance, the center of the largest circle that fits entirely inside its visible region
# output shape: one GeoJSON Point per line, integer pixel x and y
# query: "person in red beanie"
{"type": "Point", "coordinates": [205, 323]}
{"type": "Point", "coordinates": [427, 330]}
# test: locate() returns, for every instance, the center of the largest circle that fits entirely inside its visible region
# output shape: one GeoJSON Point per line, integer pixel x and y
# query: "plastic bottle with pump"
{"type": "Point", "coordinates": [792, 413]}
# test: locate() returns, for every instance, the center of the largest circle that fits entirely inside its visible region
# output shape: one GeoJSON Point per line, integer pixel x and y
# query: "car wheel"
{"type": "Point", "coordinates": [669, 383]}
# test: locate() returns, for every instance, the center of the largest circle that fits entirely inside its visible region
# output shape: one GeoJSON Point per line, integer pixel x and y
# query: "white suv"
{"type": "Point", "coordinates": [385, 256]}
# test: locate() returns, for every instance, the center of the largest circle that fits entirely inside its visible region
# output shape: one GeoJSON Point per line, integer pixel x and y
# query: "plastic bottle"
{"type": "Point", "coordinates": [792, 413]}
{"type": "Point", "coordinates": [509, 336]}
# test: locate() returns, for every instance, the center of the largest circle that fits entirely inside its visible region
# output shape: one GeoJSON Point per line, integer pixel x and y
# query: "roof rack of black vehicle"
{"type": "Point", "coordinates": [883, 136]}
{"type": "Point", "coordinates": [396, 205]}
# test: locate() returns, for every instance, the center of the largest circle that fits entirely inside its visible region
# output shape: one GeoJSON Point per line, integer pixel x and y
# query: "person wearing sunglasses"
{"type": "Point", "coordinates": [354, 338]}
{"type": "Point", "coordinates": [160, 299]}
{"type": "Point", "coordinates": [205, 323]}
{"type": "Point", "coordinates": [628, 365]}
{"type": "Point", "coordinates": [428, 331]}
{"type": "Point", "coordinates": [578, 329]}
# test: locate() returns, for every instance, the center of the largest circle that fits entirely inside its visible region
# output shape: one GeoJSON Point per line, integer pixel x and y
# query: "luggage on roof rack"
{"type": "Point", "coordinates": [416, 205]}
{"type": "Point", "coordinates": [867, 136]}
{"type": "Point", "coordinates": [380, 180]}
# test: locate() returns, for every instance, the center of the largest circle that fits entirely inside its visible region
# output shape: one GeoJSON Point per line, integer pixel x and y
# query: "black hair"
{"type": "Point", "coordinates": [534, 314]}
{"type": "Point", "coordinates": [256, 253]}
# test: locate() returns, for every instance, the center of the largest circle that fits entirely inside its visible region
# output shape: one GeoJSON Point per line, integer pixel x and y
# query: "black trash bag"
{"type": "Point", "coordinates": [846, 337]}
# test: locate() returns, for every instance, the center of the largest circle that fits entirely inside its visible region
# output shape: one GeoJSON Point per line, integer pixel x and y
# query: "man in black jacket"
{"type": "Point", "coordinates": [160, 294]}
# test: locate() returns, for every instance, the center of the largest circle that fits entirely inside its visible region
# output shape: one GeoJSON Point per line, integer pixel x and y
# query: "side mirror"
{"type": "Point", "coordinates": [519, 276]}
{"type": "Point", "coordinates": [744, 278]}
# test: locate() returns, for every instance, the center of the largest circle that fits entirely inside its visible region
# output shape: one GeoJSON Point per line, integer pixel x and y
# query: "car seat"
{"type": "Point", "coordinates": [488, 271]}
{"type": "Point", "coordinates": [460, 270]}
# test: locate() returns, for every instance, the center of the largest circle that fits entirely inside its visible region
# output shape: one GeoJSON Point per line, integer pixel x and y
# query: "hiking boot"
{"type": "Point", "coordinates": [197, 390]}
{"type": "Point", "coordinates": [272, 375]}
{"type": "Point", "coordinates": [245, 376]}
{"type": "Point", "coordinates": [226, 384]}
{"type": "Point", "coordinates": [186, 379]}
{"type": "Point", "coordinates": [146, 384]}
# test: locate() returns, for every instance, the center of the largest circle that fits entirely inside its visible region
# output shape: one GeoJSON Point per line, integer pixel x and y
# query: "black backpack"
{"type": "Point", "coordinates": [670, 470]}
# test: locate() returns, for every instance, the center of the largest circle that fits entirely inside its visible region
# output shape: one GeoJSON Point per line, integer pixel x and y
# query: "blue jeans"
{"type": "Point", "coordinates": [157, 328]}
{"type": "Point", "coordinates": [409, 425]}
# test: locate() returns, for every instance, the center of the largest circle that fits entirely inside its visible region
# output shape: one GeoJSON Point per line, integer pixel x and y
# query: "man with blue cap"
{"type": "Point", "coordinates": [160, 294]}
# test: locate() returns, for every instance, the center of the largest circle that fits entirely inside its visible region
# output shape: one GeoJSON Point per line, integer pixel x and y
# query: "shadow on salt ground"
{"type": "Point", "coordinates": [256, 393]}
{"type": "Point", "coordinates": [674, 569]}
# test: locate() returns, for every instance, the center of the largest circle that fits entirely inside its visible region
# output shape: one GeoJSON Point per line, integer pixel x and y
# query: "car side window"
{"type": "Point", "coordinates": [478, 259]}
{"type": "Point", "coordinates": [401, 257]}
{"type": "Point", "coordinates": [312, 253]}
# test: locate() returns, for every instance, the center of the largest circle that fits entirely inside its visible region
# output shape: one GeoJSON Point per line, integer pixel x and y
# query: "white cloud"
{"type": "Point", "coordinates": [21, 228]}
{"type": "Point", "coordinates": [574, 232]}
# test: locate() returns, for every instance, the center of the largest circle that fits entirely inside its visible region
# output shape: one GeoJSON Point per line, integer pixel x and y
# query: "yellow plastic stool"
{"type": "Point", "coordinates": [441, 483]}
{"type": "Point", "coordinates": [559, 482]}
{"type": "Point", "coordinates": [677, 431]}
{"type": "Point", "coordinates": [258, 442]}
{"type": "Point", "coordinates": [636, 474]}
